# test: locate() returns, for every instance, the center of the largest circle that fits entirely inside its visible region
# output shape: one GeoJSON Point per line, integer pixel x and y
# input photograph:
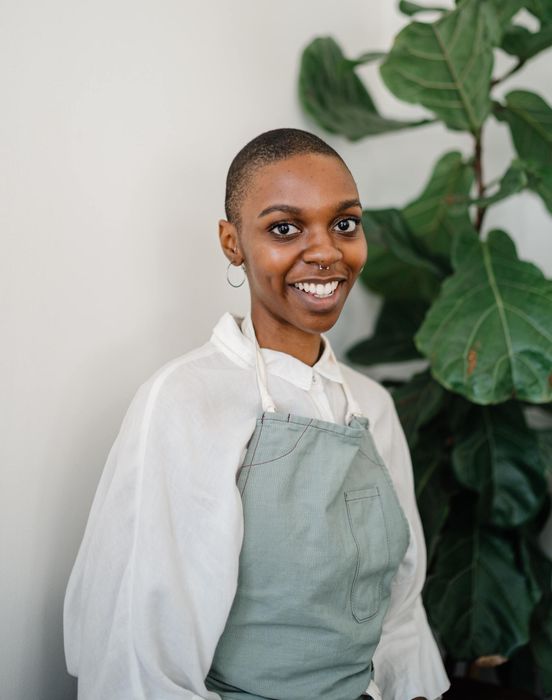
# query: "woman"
{"type": "Point", "coordinates": [251, 536]}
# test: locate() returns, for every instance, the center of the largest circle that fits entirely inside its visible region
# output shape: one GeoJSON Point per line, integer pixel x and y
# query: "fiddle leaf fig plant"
{"type": "Point", "coordinates": [457, 296]}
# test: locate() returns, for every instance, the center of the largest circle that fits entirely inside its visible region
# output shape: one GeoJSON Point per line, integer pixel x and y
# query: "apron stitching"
{"type": "Point", "coordinates": [362, 498]}
{"type": "Point", "coordinates": [268, 461]}
{"type": "Point", "coordinates": [318, 427]}
{"type": "Point", "coordinates": [379, 464]}
{"type": "Point", "coordinates": [357, 569]}
{"type": "Point", "coordinates": [386, 529]}
{"type": "Point", "coordinates": [252, 458]}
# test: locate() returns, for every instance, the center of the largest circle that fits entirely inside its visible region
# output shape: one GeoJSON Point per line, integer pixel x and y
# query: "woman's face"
{"type": "Point", "coordinates": [299, 214]}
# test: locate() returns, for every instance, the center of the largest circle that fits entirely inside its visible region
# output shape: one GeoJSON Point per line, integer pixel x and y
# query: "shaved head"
{"type": "Point", "coordinates": [269, 147]}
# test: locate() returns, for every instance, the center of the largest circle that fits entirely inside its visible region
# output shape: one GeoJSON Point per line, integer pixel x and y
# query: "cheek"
{"type": "Point", "coordinates": [271, 262]}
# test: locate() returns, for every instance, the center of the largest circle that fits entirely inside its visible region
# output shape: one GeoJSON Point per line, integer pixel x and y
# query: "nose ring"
{"type": "Point", "coordinates": [323, 267]}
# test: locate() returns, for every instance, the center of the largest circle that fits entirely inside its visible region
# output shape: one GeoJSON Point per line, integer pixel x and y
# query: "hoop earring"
{"type": "Point", "coordinates": [231, 264]}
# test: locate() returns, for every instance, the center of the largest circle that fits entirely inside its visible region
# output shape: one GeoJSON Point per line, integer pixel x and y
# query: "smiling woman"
{"type": "Point", "coordinates": [255, 533]}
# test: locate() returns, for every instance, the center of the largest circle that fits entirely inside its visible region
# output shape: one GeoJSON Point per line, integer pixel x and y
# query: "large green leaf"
{"type": "Point", "coordinates": [397, 266]}
{"type": "Point", "coordinates": [544, 439]}
{"type": "Point", "coordinates": [433, 483]}
{"type": "Point", "coordinates": [422, 405]}
{"type": "Point", "coordinates": [334, 96]}
{"type": "Point", "coordinates": [477, 598]}
{"type": "Point", "coordinates": [446, 66]}
{"type": "Point", "coordinates": [541, 642]}
{"type": "Point", "coordinates": [441, 211]}
{"type": "Point", "coordinates": [489, 334]}
{"type": "Point", "coordinates": [506, 9]}
{"type": "Point", "coordinates": [417, 402]}
{"type": "Point", "coordinates": [530, 120]}
{"type": "Point", "coordinates": [535, 659]}
{"type": "Point", "coordinates": [393, 338]}
{"type": "Point", "coordinates": [519, 41]}
{"type": "Point", "coordinates": [497, 456]}
{"type": "Point", "coordinates": [542, 9]}
{"type": "Point", "coordinates": [385, 274]}
{"type": "Point", "coordinates": [532, 561]}
{"type": "Point", "coordinates": [540, 181]}
{"type": "Point", "coordinates": [538, 567]}
{"type": "Point", "coordinates": [389, 227]}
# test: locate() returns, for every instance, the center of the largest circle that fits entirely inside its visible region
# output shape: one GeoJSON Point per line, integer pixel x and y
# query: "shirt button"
{"type": "Point", "coordinates": [314, 378]}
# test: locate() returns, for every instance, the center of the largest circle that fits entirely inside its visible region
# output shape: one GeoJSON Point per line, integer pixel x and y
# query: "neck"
{"type": "Point", "coordinates": [272, 335]}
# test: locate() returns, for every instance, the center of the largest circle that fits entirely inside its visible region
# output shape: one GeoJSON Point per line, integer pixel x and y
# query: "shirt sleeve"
{"type": "Point", "coordinates": [156, 573]}
{"type": "Point", "coordinates": [407, 662]}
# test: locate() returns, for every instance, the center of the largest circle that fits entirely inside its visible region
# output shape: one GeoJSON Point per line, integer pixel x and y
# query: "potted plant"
{"type": "Point", "coordinates": [457, 294]}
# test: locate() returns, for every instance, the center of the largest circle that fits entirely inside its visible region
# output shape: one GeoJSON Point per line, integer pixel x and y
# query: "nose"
{"type": "Point", "coordinates": [321, 248]}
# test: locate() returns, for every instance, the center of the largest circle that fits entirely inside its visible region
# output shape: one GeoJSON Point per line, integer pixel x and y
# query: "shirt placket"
{"type": "Point", "coordinates": [320, 399]}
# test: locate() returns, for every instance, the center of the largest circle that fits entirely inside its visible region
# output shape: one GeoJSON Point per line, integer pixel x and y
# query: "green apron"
{"type": "Point", "coordinates": [324, 535]}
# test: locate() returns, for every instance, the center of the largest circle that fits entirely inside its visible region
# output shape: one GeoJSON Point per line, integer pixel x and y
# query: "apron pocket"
{"type": "Point", "coordinates": [367, 523]}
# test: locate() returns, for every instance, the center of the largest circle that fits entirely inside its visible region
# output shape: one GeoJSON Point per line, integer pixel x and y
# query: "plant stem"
{"type": "Point", "coordinates": [506, 75]}
{"type": "Point", "coordinates": [478, 168]}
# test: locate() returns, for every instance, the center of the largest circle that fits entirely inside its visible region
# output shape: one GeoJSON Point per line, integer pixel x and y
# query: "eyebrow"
{"type": "Point", "coordinates": [288, 209]}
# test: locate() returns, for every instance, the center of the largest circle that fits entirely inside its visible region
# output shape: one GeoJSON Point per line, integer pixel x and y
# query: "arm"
{"type": "Point", "coordinates": [150, 591]}
{"type": "Point", "coordinates": [407, 662]}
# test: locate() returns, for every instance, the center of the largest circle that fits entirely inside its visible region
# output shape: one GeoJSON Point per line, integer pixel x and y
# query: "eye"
{"type": "Point", "coordinates": [284, 229]}
{"type": "Point", "coordinates": [348, 225]}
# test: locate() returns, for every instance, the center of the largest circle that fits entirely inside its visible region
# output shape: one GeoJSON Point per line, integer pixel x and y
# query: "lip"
{"type": "Point", "coordinates": [319, 304]}
{"type": "Point", "coordinates": [318, 280]}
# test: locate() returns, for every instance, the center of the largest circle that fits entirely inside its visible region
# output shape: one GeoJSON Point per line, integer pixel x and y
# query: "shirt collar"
{"type": "Point", "coordinates": [239, 343]}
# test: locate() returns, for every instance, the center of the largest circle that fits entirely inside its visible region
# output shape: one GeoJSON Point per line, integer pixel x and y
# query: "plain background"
{"type": "Point", "coordinates": [118, 121]}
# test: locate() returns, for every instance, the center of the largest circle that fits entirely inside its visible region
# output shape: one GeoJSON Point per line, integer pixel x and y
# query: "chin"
{"type": "Point", "coordinates": [318, 323]}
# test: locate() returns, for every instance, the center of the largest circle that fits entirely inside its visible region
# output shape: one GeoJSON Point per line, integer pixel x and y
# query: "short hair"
{"type": "Point", "coordinates": [268, 147]}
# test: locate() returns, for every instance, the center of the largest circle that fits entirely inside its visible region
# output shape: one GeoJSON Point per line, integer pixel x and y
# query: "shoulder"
{"type": "Point", "coordinates": [196, 382]}
{"type": "Point", "coordinates": [198, 411]}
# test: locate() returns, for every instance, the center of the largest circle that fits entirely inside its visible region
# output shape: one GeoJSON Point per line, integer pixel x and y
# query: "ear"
{"type": "Point", "coordinates": [228, 237]}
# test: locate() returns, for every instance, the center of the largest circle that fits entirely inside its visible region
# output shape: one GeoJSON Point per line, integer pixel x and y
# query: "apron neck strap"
{"type": "Point", "coordinates": [353, 408]}
{"type": "Point", "coordinates": [262, 382]}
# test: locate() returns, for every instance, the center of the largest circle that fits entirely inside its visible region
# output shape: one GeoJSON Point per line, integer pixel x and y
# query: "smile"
{"type": "Point", "coordinates": [318, 290]}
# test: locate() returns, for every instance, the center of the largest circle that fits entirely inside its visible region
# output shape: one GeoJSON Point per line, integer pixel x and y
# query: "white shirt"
{"type": "Point", "coordinates": [157, 570]}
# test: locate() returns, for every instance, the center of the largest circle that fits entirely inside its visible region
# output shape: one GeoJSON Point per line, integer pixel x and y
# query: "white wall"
{"type": "Point", "coordinates": [118, 121]}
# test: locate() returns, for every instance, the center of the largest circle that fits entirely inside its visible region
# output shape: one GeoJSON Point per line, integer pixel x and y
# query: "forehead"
{"type": "Point", "coordinates": [303, 181]}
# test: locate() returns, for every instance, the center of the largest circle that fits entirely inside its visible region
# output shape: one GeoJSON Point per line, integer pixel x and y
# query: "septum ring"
{"type": "Point", "coordinates": [323, 267]}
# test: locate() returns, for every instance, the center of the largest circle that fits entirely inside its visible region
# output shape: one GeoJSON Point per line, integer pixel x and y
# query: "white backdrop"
{"type": "Point", "coordinates": [118, 121]}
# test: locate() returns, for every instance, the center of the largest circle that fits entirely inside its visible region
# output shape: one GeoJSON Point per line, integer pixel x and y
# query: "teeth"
{"type": "Point", "coordinates": [318, 290]}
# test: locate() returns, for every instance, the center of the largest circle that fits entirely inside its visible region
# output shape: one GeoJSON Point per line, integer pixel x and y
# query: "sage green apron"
{"type": "Point", "coordinates": [324, 535]}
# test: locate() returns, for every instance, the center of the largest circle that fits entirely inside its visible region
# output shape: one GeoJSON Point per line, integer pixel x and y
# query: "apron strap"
{"type": "Point", "coordinates": [353, 409]}
{"type": "Point", "coordinates": [260, 367]}
{"type": "Point", "coordinates": [266, 400]}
